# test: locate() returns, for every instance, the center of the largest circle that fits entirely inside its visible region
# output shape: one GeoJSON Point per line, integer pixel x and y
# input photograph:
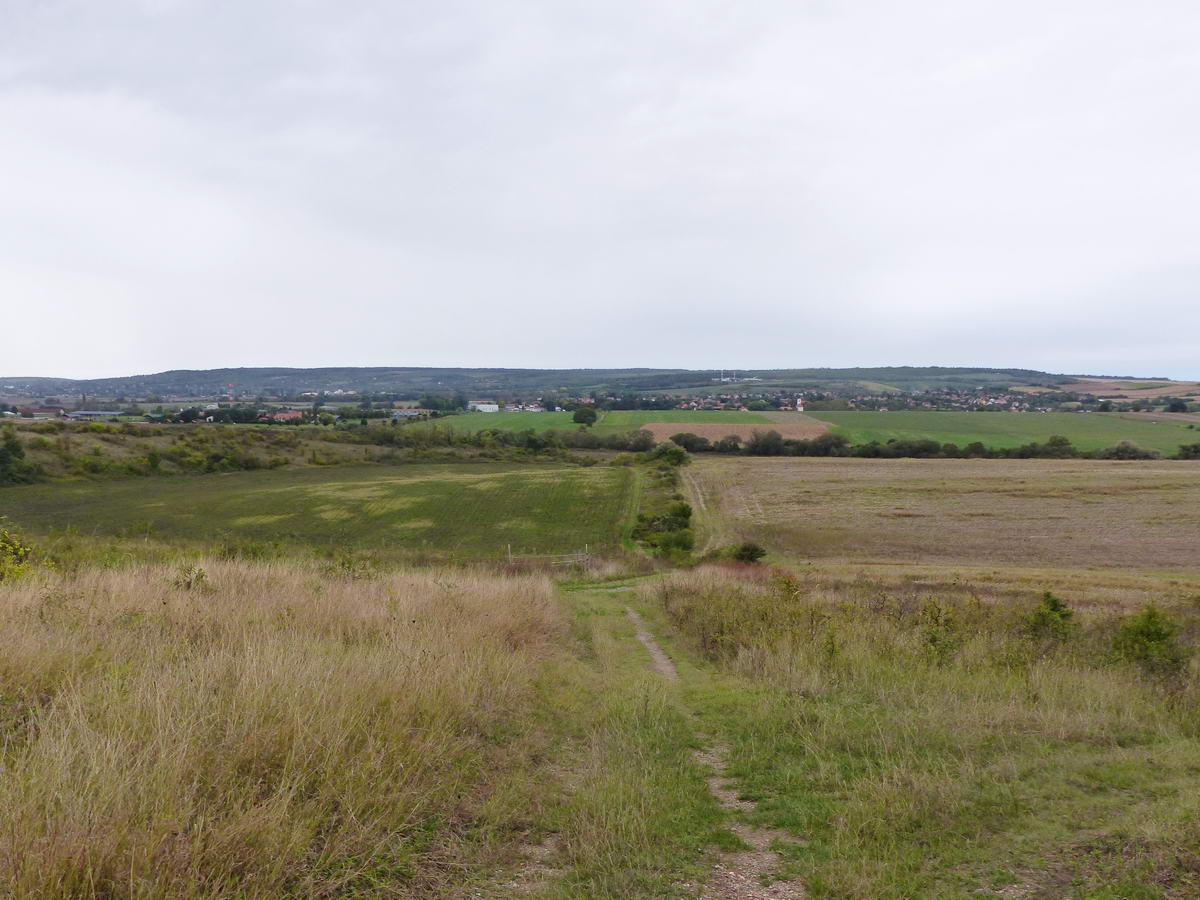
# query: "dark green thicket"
{"type": "Point", "coordinates": [14, 468]}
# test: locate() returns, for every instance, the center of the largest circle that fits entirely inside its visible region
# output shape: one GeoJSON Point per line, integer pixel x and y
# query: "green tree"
{"type": "Point", "coordinates": [670, 453]}
{"type": "Point", "coordinates": [585, 416]}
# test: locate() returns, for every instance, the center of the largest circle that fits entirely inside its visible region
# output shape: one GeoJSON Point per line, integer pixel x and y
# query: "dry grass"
{"type": "Point", "coordinates": [1072, 514]}
{"type": "Point", "coordinates": [270, 731]}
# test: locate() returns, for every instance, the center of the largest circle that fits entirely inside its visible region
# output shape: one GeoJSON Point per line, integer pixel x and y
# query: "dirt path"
{"type": "Point", "coordinates": [739, 875]}
{"type": "Point", "coordinates": [542, 860]}
{"type": "Point", "coordinates": [659, 661]}
{"type": "Point", "coordinates": [736, 876]}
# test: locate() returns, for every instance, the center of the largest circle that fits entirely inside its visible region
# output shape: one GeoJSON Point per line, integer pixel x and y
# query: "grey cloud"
{"type": "Point", "coordinates": [539, 183]}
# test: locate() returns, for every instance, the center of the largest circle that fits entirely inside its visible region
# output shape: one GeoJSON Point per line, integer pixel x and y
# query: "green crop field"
{"type": "Point", "coordinates": [1088, 431]}
{"type": "Point", "coordinates": [635, 418]}
{"type": "Point", "coordinates": [449, 510]}
{"type": "Point", "coordinates": [609, 422]}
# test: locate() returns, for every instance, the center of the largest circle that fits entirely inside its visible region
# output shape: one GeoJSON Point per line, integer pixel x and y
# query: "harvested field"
{"type": "Point", "coordinates": [1079, 514]}
{"type": "Point", "coordinates": [790, 425]}
{"type": "Point", "coordinates": [1137, 389]}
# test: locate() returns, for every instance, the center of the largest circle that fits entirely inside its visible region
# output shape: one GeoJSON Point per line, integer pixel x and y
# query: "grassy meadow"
{"type": "Point", "coordinates": [900, 707]}
{"type": "Point", "coordinates": [946, 740]}
{"type": "Point", "coordinates": [1087, 431]}
{"type": "Point", "coordinates": [446, 510]}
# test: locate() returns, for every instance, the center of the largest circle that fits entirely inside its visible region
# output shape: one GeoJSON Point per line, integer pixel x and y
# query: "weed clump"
{"type": "Point", "coordinates": [192, 578]}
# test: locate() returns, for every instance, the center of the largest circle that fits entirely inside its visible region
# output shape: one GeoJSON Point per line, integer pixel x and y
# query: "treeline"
{"type": "Point", "coordinates": [431, 435]}
{"type": "Point", "coordinates": [772, 443]}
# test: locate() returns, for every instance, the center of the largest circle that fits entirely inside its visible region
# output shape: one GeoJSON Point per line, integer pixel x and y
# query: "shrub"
{"type": "Point", "coordinates": [692, 443]}
{"type": "Point", "coordinates": [682, 539]}
{"type": "Point", "coordinates": [680, 510]}
{"type": "Point", "coordinates": [13, 467]}
{"type": "Point", "coordinates": [1126, 450]}
{"type": "Point", "coordinates": [670, 453]}
{"type": "Point", "coordinates": [731, 443]}
{"type": "Point", "coordinates": [1148, 639]}
{"type": "Point", "coordinates": [940, 633]}
{"type": "Point", "coordinates": [1051, 619]}
{"type": "Point", "coordinates": [14, 555]}
{"type": "Point", "coordinates": [353, 566]}
{"type": "Point", "coordinates": [765, 443]}
{"type": "Point", "coordinates": [748, 552]}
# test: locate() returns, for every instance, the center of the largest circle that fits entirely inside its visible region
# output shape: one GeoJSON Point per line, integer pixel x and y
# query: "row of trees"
{"type": "Point", "coordinates": [772, 443]}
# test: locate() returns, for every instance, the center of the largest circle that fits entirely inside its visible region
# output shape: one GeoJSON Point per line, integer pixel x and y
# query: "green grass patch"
{"type": "Point", "coordinates": [447, 510]}
{"type": "Point", "coordinates": [1087, 431]}
{"type": "Point", "coordinates": [608, 423]}
{"type": "Point", "coordinates": [925, 747]}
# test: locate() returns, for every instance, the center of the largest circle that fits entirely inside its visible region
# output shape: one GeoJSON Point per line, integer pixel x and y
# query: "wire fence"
{"type": "Point", "coordinates": [581, 558]}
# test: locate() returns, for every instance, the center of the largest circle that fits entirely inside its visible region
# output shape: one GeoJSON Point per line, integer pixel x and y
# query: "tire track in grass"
{"type": "Point", "coordinates": [738, 875]}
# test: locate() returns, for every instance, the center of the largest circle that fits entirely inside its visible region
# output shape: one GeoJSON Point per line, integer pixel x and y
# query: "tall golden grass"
{"type": "Point", "coordinates": [259, 731]}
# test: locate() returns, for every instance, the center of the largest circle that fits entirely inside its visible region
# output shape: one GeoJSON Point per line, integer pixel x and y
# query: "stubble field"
{"type": "Point", "coordinates": [1079, 514]}
{"type": "Point", "coordinates": [889, 702]}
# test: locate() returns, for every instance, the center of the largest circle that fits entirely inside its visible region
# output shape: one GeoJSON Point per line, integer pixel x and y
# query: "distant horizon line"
{"type": "Point", "coordinates": [663, 369]}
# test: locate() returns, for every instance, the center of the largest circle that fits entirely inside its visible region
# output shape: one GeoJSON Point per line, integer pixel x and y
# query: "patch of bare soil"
{"type": "Point", "coordinates": [741, 874]}
{"type": "Point", "coordinates": [535, 870]}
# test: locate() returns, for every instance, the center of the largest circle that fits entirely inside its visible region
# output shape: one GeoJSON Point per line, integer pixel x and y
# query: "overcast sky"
{"type": "Point", "coordinates": [203, 183]}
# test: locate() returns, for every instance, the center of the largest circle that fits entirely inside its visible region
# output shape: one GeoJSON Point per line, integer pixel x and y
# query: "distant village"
{"type": "Point", "coordinates": [733, 393]}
